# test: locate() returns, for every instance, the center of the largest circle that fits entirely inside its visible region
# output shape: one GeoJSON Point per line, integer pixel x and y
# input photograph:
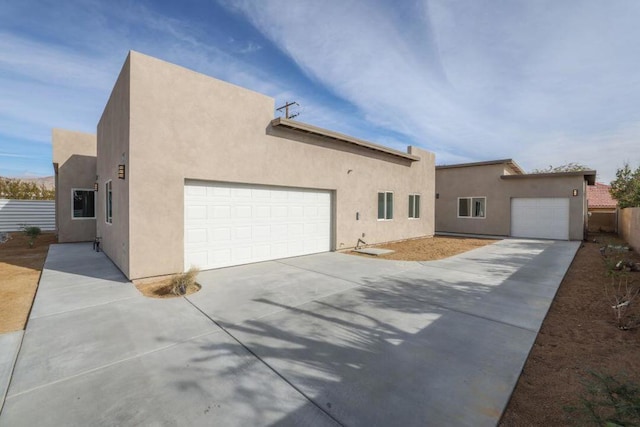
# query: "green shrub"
{"type": "Point", "coordinates": [608, 401]}
{"type": "Point", "coordinates": [32, 233]}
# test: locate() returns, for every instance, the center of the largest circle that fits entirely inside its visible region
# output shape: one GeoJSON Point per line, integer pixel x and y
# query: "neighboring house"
{"type": "Point", "coordinates": [191, 170]}
{"type": "Point", "coordinates": [498, 198]}
{"type": "Point", "coordinates": [603, 209]}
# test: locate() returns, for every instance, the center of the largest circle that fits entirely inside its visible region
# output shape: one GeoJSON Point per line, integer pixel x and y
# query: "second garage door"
{"type": "Point", "coordinates": [542, 218]}
{"type": "Point", "coordinates": [231, 224]}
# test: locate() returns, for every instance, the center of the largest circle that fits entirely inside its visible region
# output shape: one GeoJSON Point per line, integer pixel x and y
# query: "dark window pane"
{"type": "Point", "coordinates": [380, 205]}
{"type": "Point", "coordinates": [389, 206]}
{"type": "Point", "coordinates": [463, 207]}
{"type": "Point", "coordinates": [84, 204]}
{"type": "Point", "coordinates": [478, 207]}
{"type": "Point", "coordinates": [411, 204]}
{"type": "Point", "coordinates": [416, 212]}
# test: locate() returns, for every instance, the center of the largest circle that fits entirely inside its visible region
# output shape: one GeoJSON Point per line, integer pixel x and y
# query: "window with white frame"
{"type": "Point", "coordinates": [414, 206]}
{"type": "Point", "coordinates": [385, 205]}
{"type": "Point", "coordinates": [108, 203]}
{"type": "Point", "coordinates": [472, 207]}
{"type": "Point", "coordinates": [83, 203]}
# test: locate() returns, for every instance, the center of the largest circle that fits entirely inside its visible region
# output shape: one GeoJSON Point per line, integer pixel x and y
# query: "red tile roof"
{"type": "Point", "coordinates": [598, 196]}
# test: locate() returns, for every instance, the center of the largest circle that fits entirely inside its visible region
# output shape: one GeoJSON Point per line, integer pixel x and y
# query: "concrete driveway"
{"type": "Point", "coordinates": [328, 339]}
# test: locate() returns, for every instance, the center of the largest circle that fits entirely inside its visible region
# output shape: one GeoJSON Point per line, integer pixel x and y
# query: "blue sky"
{"type": "Point", "coordinates": [542, 82]}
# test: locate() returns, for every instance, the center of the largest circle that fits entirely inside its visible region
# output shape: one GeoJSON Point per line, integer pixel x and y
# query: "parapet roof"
{"type": "Point", "coordinates": [509, 162]}
{"type": "Point", "coordinates": [306, 128]}
{"type": "Point", "coordinates": [588, 175]}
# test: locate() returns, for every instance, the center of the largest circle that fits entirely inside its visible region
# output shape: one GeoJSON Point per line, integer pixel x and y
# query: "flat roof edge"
{"type": "Point", "coordinates": [303, 127]}
{"type": "Point", "coordinates": [589, 175]}
{"type": "Point", "coordinates": [509, 162]}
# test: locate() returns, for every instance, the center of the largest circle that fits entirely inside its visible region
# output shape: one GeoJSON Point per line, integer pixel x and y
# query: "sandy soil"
{"type": "Point", "coordinates": [430, 248]}
{"type": "Point", "coordinates": [20, 268]}
{"type": "Point", "coordinates": [578, 336]}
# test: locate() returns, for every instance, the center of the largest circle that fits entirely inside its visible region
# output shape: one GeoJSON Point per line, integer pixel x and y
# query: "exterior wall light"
{"type": "Point", "coordinates": [437, 195]}
{"type": "Point", "coordinates": [575, 192]}
{"type": "Point", "coordinates": [121, 171]}
{"type": "Point", "coordinates": [95, 186]}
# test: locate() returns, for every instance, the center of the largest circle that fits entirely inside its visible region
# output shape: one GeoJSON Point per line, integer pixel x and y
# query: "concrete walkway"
{"type": "Point", "coordinates": [327, 339]}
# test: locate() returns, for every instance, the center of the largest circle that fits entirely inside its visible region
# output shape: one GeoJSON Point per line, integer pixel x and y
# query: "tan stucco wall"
{"type": "Point", "coordinates": [629, 226]}
{"type": "Point", "coordinates": [113, 150]}
{"type": "Point", "coordinates": [603, 220]}
{"type": "Point", "coordinates": [185, 125]}
{"type": "Point", "coordinates": [485, 181]}
{"type": "Point", "coordinates": [74, 153]}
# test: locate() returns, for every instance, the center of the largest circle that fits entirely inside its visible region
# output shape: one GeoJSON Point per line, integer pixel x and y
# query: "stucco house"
{"type": "Point", "coordinates": [187, 170]}
{"type": "Point", "coordinates": [498, 198]}
{"type": "Point", "coordinates": [603, 209]}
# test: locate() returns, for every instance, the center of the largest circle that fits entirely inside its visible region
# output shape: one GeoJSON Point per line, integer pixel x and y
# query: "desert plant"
{"type": "Point", "coordinates": [32, 232]}
{"type": "Point", "coordinates": [4, 237]}
{"type": "Point", "coordinates": [616, 259]}
{"type": "Point", "coordinates": [622, 296]}
{"type": "Point", "coordinates": [181, 283]}
{"type": "Point", "coordinates": [608, 401]}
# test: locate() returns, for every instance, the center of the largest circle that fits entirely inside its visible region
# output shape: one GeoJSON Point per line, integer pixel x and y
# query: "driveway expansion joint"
{"type": "Point", "coordinates": [71, 310]}
{"type": "Point", "coordinates": [116, 362]}
{"type": "Point", "coordinates": [271, 368]}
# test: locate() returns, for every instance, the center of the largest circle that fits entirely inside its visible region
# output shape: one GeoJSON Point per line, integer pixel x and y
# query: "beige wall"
{"type": "Point", "coordinates": [113, 150]}
{"type": "Point", "coordinates": [185, 125]}
{"type": "Point", "coordinates": [603, 220]}
{"type": "Point", "coordinates": [486, 181]}
{"type": "Point", "coordinates": [74, 159]}
{"type": "Point", "coordinates": [629, 226]}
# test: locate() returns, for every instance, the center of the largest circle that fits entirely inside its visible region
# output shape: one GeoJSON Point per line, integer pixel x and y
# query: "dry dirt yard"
{"type": "Point", "coordinates": [20, 268]}
{"type": "Point", "coordinates": [579, 337]}
{"type": "Point", "coordinates": [429, 248]}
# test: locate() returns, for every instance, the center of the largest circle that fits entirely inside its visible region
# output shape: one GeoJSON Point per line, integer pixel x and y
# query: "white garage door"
{"type": "Point", "coordinates": [230, 224]}
{"type": "Point", "coordinates": [542, 218]}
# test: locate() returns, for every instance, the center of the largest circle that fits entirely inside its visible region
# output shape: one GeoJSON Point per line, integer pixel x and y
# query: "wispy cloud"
{"type": "Point", "coordinates": [542, 82]}
{"type": "Point", "coordinates": [474, 80]}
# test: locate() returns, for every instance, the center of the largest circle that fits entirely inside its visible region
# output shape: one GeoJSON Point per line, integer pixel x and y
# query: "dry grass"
{"type": "Point", "coordinates": [162, 287]}
{"type": "Point", "coordinates": [20, 268]}
{"type": "Point", "coordinates": [579, 335]}
{"type": "Point", "coordinates": [430, 248]}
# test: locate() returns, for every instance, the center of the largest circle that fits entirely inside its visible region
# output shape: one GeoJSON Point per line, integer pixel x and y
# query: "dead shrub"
{"type": "Point", "coordinates": [183, 282]}
{"type": "Point", "coordinates": [623, 296]}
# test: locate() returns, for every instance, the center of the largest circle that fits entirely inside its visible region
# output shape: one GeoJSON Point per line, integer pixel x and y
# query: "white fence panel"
{"type": "Point", "coordinates": [39, 213]}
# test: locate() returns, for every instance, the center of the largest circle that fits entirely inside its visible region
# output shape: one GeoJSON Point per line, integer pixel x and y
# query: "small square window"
{"type": "Point", "coordinates": [472, 207]}
{"type": "Point", "coordinates": [385, 205]}
{"type": "Point", "coordinates": [84, 204]}
{"type": "Point", "coordinates": [414, 206]}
